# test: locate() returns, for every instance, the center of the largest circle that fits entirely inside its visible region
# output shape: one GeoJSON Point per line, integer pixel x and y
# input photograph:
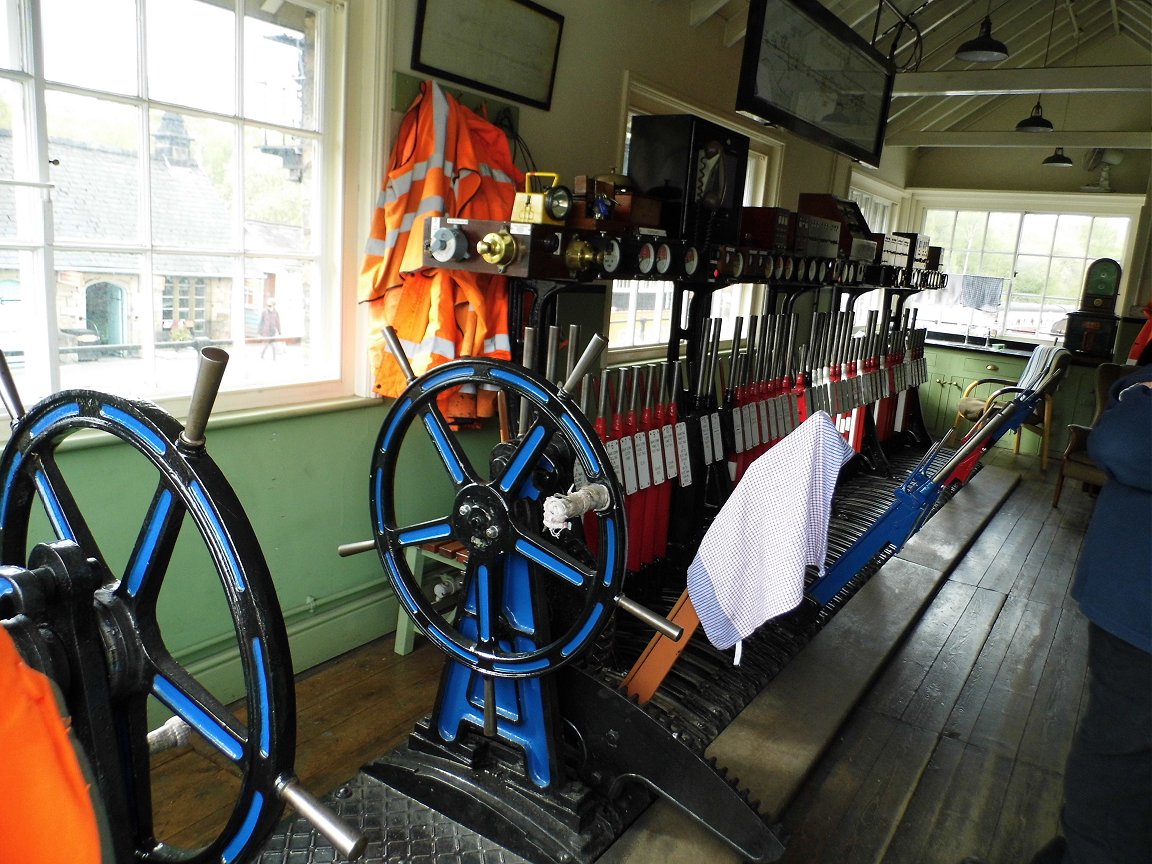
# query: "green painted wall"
{"type": "Point", "coordinates": [303, 483]}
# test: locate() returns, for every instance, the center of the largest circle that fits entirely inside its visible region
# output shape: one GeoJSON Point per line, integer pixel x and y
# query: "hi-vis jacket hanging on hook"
{"type": "Point", "coordinates": [447, 161]}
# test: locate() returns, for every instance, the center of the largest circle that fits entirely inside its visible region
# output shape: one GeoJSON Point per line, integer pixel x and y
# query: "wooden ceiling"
{"type": "Point", "coordinates": [1092, 47]}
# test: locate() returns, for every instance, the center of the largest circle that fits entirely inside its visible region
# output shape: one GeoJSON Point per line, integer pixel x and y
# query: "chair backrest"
{"type": "Point", "coordinates": [1107, 374]}
{"type": "Point", "coordinates": [1045, 359]}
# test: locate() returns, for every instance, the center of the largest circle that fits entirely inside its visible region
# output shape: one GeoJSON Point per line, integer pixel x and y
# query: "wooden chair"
{"type": "Point", "coordinates": [973, 406]}
{"type": "Point", "coordinates": [1076, 463]}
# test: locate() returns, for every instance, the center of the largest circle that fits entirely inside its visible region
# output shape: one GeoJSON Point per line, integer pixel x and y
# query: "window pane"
{"type": "Point", "coordinates": [98, 178]}
{"type": "Point", "coordinates": [1002, 231]}
{"type": "Point", "coordinates": [938, 225]}
{"type": "Point", "coordinates": [283, 325]}
{"type": "Point", "coordinates": [193, 181]}
{"type": "Point", "coordinates": [1072, 235]}
{"type": "Point", "coordinates": [1037, 232]}
{"type": "Point", "coordinates": [100, 312]}
{"type": "Point", "coordinates": [1065, 279]}
{"type": "Point", "coordinates": [91, 44]}
{"type": "Point", "coordinates": [1108, 237]}
{"type": "Point", "coordinates": [11, 53]}
{"type": "Point", "coordinates": [191, 53]}
{"type": "Point", "coordinates": [997, 265]}
{"type": "Point", "coordinates": [10, 107]}
{"type": "Point", "coordinates": [278, 191]}
{"type": "Point", "coordinates": [12, 323]}
{"type": "Point", "coordinates": [280, 65]}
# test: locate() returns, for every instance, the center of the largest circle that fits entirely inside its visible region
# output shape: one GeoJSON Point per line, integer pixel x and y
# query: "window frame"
{"type": "Point", "coordinates": [643, 97]}
{"type": "Point", "coordinates": [921, 200]}
{"type": "Point", "coordinates": [355, 37]}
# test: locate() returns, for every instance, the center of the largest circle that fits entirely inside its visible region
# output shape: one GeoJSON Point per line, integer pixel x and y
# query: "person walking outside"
{"type": "Point", "coordinates": [269, 327]}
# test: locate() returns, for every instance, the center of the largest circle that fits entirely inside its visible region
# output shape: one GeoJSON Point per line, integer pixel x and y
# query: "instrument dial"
{"type": "Point", "coordinates": [691, 261]}
{"type": "Point", "coordinates": [448, 244]}
{"type": "Point", "coordinates": [611, 256]}
{"type": "Point", "coordinates": [663, 258]}
{"type": "Point", "coordinates": [646, 258]}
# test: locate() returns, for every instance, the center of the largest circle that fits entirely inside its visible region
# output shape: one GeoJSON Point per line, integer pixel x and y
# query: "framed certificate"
{"type": "Point", "coordinates": [505, 47]}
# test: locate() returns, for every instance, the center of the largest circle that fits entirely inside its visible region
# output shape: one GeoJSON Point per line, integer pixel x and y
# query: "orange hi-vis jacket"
{"type": "Point", "coordinates": [448, 161]}
{"type": "Point", "coordinates": [49, 812]}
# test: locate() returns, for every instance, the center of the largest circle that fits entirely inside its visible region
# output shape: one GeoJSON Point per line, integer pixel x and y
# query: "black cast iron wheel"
{"type": "Point", "coordinates": [487, 519]}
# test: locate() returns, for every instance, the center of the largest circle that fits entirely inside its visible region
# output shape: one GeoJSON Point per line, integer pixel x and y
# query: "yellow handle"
{"type": "Point", "coordinates": [528, 179]}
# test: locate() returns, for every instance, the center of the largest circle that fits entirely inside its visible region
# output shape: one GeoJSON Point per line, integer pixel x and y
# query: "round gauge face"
{"type": "Point", "coordinates": [663, 258]}
{"type": "Point", "coordinates": [787, 274]}
{"type": "Point", "coordinates": [691, 260]}
{"type": "Point", "coordinates": [558, 202]}
{"type": "Point", "coordinates": [646, 257]}
{"type": "Point", "coordinates": [737, 264]}
{"type": "Point", "coordinates": [778, 267]}
{"type": "Point", "coordinates": [611, 260]}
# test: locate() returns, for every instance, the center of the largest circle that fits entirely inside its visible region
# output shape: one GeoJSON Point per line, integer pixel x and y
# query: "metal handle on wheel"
{"type": "Point", "coordinates": [347, 841]}
{"type": "Point", "coordinates": [213, 361]}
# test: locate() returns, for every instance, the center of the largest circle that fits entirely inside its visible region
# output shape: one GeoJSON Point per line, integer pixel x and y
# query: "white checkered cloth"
{"type": "Point", "coordinates": [750, 565]}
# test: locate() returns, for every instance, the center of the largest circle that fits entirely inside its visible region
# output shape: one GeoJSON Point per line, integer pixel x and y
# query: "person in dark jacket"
{"type": "Point", "coordinates": [1107, 815]}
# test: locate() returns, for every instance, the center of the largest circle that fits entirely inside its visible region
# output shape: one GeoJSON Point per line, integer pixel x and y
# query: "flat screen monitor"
{"type": "Point", "coordinates": [807, 71]}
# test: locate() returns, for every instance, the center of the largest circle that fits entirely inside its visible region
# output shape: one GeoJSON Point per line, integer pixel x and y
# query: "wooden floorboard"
{"type": "Point", "coordinates": [989, 685]}
{"type": "Point", "coordinates": [958, 747]}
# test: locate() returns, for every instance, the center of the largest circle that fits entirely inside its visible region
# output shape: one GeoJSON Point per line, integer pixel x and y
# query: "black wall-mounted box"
{"type": "Point", "coordinates": [697, 169]}
{"type": "Point", "coordinates": [1090, 335]}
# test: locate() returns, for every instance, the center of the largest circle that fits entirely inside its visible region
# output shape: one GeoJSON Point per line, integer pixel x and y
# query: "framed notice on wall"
{"type": "Point", "coordinates": [505, 47]}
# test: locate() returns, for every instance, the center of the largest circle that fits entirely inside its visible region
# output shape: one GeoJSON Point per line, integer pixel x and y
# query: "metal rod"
{"type": "Point", "coordinates": [528, 361]}
{"type": "Point", "coordinates": [656, 622]}
{"type": "Point", "coordinates": [8, 391]}
{"type": "Point", "coordinates": [553, 353]}
{"type": "Point", "coordinates": [347, 841]}
{"type": "Point", "coordinates": [208, 377]}
{"type": "Point", "coordinates": [489, 706]}
{"type": "Point", "coordinates": [398, 352]}
{"type": "Point", "coordinates": [345, 550]}
{"type": "Point", "coordinates": [585, 363]}
{"type": "Point", "coordinates": [573, 342]}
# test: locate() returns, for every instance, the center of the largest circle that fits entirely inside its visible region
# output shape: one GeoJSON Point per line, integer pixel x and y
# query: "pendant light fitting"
{"type": "Point", "coordinates": [984, 48]}
{"type": "Point", "coordinates": [1036, 122]}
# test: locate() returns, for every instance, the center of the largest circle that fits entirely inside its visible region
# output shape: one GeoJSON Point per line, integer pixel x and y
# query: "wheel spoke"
{"type": "Point", "coordinates": [199, 709]}
{"type": "Point", "coordinates": [448, 446]}
{"type": "Point", "coordinates": [424, 532]}
{"type": "Point", "coordinates": [555, 561]}
{"type": "Point", "coordinates": [64, 514]}
{"type": "Point", "coordinates": [525, 457]}
{"type": "Point", "coordinates": [154, 544]}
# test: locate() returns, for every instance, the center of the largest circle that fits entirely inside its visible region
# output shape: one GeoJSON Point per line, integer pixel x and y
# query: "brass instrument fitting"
{"type": "Point", "coordinates": [497, 247]}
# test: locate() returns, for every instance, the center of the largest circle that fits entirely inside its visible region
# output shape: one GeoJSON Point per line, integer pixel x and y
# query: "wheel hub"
{"type": "Point", "coordinates": [481, 521]}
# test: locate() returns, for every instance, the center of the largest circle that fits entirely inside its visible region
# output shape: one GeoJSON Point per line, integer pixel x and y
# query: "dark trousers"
{"type": "Point", "coordinates": [1107, 815]}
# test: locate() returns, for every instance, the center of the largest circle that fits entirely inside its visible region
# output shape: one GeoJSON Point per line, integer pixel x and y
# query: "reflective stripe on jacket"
{"type": "Point", "coordinates": [447, 161]}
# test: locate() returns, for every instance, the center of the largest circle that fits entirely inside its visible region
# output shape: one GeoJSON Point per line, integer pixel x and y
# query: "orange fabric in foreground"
{"type": "Point", "coordinates": [47, 814]}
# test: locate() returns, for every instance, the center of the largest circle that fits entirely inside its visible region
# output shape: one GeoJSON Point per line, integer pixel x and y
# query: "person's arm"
{"type": "Point", "coordinates": [1121, 440]}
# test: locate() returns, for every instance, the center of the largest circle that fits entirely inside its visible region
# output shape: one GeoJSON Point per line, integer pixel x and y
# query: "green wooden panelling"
{"type": "Point", "coordinates": [950, 370]}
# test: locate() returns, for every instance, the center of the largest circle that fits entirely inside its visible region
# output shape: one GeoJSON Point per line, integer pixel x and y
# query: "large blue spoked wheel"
{"type": "Point", "coordinates": [189, 489]}
{"type": "Point", "coordinates": [502, 536]}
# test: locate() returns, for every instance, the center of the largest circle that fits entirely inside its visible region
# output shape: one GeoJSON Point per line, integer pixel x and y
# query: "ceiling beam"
{"type": "Point", "coordinates": [734, 30]}
{"type": "Point", "coordinates": [1115, 17]}
{"type": "Point", "coordinates": [701, 10]}
{"type": "Point", "coordinates": [1000, 139]}
{"type": "Point", "coordinates": [1007, 82]}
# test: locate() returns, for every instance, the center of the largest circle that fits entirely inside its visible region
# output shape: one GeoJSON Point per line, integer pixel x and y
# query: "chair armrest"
{"type": "Point", "coordinates": [1077, 439]}
{"type": "Point", "coordinates": [968, 390]}
{"type": "Point", "coordinates": [1002, 392]}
